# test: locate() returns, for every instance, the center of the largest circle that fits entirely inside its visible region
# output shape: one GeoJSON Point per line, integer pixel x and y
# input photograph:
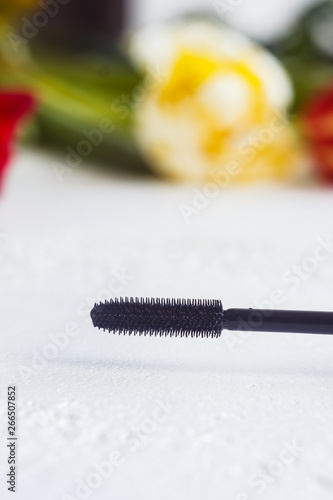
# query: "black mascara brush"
{"type": "Point", "coordinates": [201, 318]}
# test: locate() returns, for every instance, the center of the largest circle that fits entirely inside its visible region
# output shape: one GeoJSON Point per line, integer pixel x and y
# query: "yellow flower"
{"type": "Point", "coordinates": [218, 105]}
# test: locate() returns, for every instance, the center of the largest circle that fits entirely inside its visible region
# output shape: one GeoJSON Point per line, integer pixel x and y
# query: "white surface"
{"type": "Point", "coordinates": [232, 412]}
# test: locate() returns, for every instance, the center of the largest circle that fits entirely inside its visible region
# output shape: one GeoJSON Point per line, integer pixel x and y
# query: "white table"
{"type": "Point", "coordinates": [185, 418]}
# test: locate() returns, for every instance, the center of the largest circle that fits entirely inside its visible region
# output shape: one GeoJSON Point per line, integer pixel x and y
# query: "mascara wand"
{"type": "Point", "coordinates": [201, 318]}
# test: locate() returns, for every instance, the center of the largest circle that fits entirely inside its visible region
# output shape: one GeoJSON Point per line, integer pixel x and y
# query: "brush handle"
{"type": "Point", "coordinates": [266, 320]}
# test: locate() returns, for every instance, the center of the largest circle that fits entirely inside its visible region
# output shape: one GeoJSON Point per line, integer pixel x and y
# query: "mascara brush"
{"type": "Point", "coordinates": [201, 318]}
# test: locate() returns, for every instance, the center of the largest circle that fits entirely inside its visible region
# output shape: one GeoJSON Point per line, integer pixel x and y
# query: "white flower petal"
{"type": "Point", "coordinates": [202, 36]}
{"type": "Point", "coordinates": [160, 44]}
{"type": "Point", "coordinates": [153, 46]}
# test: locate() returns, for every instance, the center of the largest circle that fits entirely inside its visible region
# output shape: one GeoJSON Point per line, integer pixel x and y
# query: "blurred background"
{"type": "Point", "coordinates": [166, 149]}
{"type": "Point", "coordinates": [257, 18]}
{"type": "Point", "coordinates": [86, 63]}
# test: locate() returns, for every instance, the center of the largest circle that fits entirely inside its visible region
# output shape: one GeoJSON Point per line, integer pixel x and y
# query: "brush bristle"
{"type": "Point", "coordinates": [164, 317]}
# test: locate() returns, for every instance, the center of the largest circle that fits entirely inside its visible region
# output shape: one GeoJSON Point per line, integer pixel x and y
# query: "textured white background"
{"type": "Point", "coordinates": [230, 414]}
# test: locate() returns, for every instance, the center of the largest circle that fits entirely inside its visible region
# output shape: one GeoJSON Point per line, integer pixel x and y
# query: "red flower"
{"type": "Point", "coordinates": [13, 107]}
{"type": "Point", "coordinates": [318, 127]}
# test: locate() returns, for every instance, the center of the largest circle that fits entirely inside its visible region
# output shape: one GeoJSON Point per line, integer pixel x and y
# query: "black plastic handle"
{"type": "Point", "coordinates": [266, 320]}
